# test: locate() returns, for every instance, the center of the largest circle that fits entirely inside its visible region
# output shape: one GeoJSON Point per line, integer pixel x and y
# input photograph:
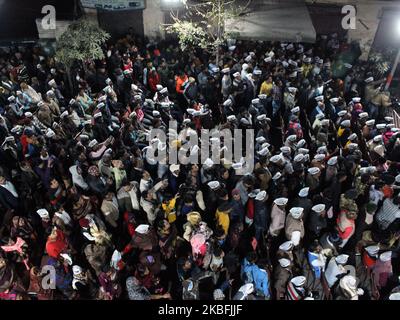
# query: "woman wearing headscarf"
{"type": "Point", "coordinates": [347, 217]}
{"type": "Point", "coordinates": [56, 243]}
{"type": "Point", "coordinates": [82, 206]}
{"type": "Point", "coordinates": [110, 289]}
{"type": "Point", "coordinates": [167, 234]}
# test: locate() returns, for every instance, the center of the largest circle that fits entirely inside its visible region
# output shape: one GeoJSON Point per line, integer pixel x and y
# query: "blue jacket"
{"type": "Point", "coordinates": [237, 212]}
{"type": "Point", "coordinates": [251, 273]}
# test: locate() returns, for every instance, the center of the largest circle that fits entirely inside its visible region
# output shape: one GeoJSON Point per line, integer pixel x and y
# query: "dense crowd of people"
{"type": "Point", "coordinates": [317, 219]}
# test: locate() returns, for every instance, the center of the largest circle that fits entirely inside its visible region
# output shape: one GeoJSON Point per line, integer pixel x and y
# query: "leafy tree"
{"type": "Point", "coordinates": [82, 41]}
{"type": "Point", "coordinates": [202, 24]}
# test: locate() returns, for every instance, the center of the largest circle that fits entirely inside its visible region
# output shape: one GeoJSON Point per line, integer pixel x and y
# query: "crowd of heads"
{"type": "Point", "coordinates": [316, 219]}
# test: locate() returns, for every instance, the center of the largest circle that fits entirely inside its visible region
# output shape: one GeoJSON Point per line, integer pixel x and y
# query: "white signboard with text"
{"type": "Point", "coordinates": [114, 4]}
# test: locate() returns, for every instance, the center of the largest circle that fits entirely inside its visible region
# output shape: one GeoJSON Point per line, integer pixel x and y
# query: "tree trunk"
{"type": "Point", "coordinates": [219, 31]}
{"type": "Point", "coordinates": [70, 83]}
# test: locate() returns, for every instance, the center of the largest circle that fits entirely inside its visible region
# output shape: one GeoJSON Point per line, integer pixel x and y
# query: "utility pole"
{"type": "Point", "coordinates": [393, 71]}
{"type": "Point", "coordinates": [219, 30]}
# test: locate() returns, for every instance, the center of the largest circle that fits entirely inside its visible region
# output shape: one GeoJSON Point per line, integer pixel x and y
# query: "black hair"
{"type": "Point", "coordinates": [252, 257]}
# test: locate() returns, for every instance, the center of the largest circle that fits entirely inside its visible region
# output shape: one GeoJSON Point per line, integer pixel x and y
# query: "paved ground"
{"type": "Point", "coordinates": [275, 20]}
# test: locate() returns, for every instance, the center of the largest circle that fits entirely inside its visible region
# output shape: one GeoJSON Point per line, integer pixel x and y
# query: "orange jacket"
{"type": "Point", "coordinates": [179, 83]}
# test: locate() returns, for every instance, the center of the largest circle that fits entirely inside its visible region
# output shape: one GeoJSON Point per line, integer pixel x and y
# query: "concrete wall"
{"type": "Point", "coordinates": [91, 14]}
{"type": "Point", "coordinates": [368, 19]}
{"type": "Point", "coordinates": [144, 22]}
{"type": "Point", "coordinates": [117, 23]}
{"type": "Point", "coordinates": [153, 19]}
{"type": "Point", "coordinates": [61, 26]}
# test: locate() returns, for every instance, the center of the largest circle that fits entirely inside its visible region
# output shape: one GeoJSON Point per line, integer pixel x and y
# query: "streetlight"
{"type": "Point", "coordinates": [396, 61]}
{"type": "Point", "coordinates": [171, 3]}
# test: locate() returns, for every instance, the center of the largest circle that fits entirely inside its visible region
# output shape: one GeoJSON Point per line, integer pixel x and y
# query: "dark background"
{"type": "Point", "coordinates": [17, 17]}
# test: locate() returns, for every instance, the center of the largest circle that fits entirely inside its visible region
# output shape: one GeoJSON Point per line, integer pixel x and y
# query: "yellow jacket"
{"type": "Point", "coordinates": [266, 88]}
{"type": "Point", "coordinates": [222, 218]}
{"type": "Point", "coordinates": [169, 209]}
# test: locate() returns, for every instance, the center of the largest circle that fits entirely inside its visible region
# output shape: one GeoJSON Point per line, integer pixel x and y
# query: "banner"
{"type": "Point", "coordinates": [114, 5]}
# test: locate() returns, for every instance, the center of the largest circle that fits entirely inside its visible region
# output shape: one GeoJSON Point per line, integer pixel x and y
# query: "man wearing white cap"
{"type": "Point", "coordinates": [334, 269]}
{"type": "Point", "coordinates": [282, 274]}
{"type": "Point", "coordinates": [278, 216]}
{"type": "Point", "coordinates": [294, 226]}
{"type": "Point", "coordinates": [295, 289]}
{"type": "Point", "coordinates": [317, 221]}
{"type": "Point", "coordinates": [226, 83]}
{"type": "Point", "coordinates": [313, 178]}
{"type": "Point", "coordinates": [260, 215]}
{"type": "Point", "coordinates": [303, 201]}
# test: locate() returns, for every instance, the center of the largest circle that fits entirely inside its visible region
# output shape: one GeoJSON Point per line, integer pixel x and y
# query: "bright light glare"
{"type": "Point", "coordinates": [398, 27]}
{"type": "Point", "coordinates": [171, 3]}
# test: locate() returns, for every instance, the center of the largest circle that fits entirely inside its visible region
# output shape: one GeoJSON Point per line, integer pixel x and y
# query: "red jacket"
{"type": "Point", "coordinates": [250, 209]}
{"type": "Point", "coordinates": [54, 248]}
{"type": "Point", "coordinates": [154, 80]}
